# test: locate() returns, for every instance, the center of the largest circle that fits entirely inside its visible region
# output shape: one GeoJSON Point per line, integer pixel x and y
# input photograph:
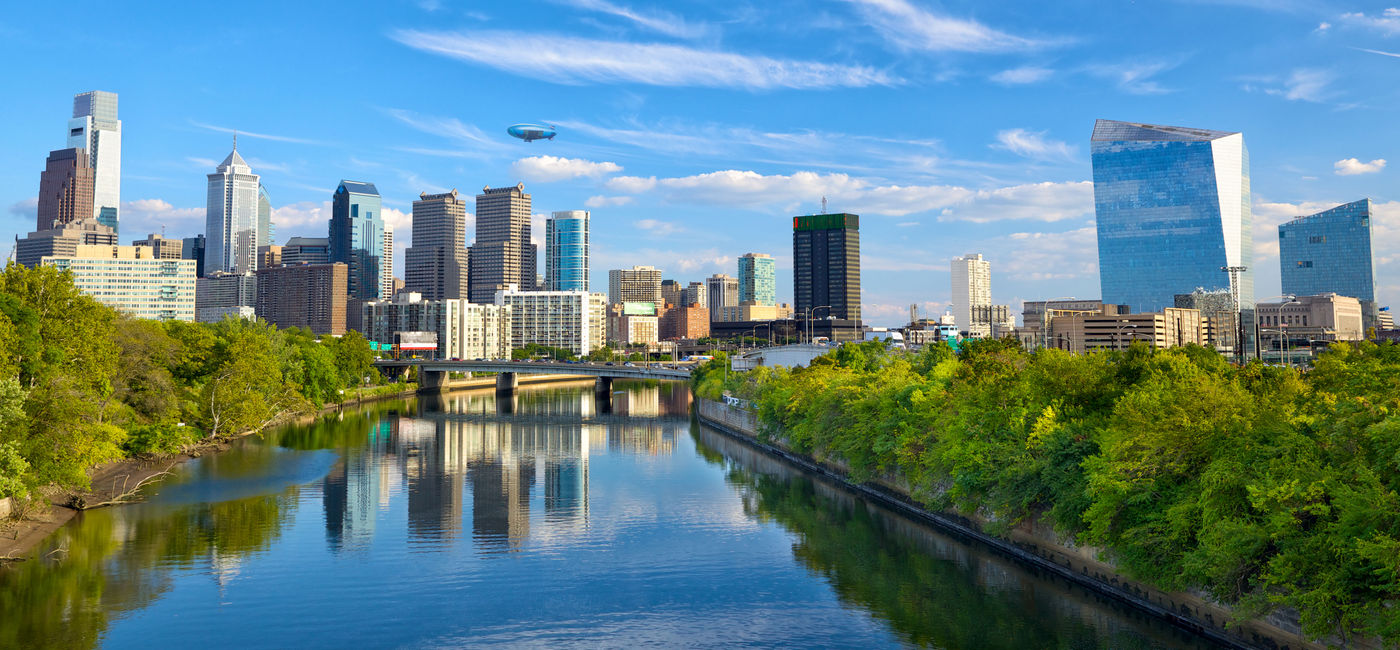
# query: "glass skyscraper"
{"type": "Point", "coordinates": [756, 279]}
{"type": "Point", "coordinates": [96, 130]}
{"type": "Point", "coordinates": [1172, 209]}
{"type": "Point", "coordinates": [231, 217]}
{"type": "Point", "coordinates": [357, 238]}
{"type": "Point", "coordinates": [566, 251]}
{"type": "Point", "coordinates": [1329, 251]}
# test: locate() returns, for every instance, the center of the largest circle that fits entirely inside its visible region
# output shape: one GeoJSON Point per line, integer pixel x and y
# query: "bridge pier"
{"type": "Point", "coordinates": [602, 395]}
{"type": "Point", "coordinates": [507, 383]}
{"type": "Point", "coordinates": [432, 381]}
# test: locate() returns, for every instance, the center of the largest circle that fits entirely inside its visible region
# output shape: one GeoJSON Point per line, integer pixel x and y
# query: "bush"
{"type": "Point", "coordinates": [160, 439]}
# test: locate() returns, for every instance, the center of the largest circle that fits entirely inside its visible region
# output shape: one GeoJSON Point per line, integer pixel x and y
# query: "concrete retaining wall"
{"type": "Point", "coordinates": [1037, 544]}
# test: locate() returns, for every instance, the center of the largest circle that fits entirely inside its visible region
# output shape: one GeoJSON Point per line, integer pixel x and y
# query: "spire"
{"type": "Point", "coordinates": [235, 139]}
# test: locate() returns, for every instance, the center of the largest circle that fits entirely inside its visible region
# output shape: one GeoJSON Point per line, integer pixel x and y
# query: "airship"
{"type": "Point", "coordinates": [531, 132]}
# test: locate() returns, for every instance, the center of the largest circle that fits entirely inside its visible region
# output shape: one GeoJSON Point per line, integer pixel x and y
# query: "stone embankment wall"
{"type": "Point", "coordinates": [1037, 544]}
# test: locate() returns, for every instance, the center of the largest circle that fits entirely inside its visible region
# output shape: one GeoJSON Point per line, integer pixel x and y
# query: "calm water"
{"type": "Point", "coordinates": [542, 521]}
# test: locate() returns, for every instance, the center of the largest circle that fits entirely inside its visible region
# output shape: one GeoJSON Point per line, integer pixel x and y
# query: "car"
{"type": "Point", "coordinates": [629, 364]}
{"type": "Point", "coordinates": [609, 363]}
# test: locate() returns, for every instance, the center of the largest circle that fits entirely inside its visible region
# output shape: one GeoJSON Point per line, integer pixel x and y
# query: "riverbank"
{"type": "Point", "coordinates": [1036, 544]}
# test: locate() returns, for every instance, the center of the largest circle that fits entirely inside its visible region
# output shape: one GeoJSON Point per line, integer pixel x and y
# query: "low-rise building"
{"type": "Point", "coordinates": [463, 330]}
{"type": "Point", "coordinates": [993, 321]}
{"type": "Point", "coordinates": [132, 280]}
{"type": "Point", "coordinates": [1323, 317]}
{"type": "Point", "coordinates": [691, 322]}
{"type": "Point", "coordinates": [574, 320]}
{"type": "Point", "coordinates": [750, 310]}
{"type": "Point", "coordinates": [63, 241]}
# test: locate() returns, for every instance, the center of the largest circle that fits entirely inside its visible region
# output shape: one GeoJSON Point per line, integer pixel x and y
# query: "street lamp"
{"type": "Point", "coordinates": [1045, 320]}
{"type": "Point", "coordinates": [811, 311]}
{"type": "Point", "coordinates": [1258, 329]}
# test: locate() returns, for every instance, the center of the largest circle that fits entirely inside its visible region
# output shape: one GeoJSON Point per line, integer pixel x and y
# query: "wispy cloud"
{"type": "Point", "coordinates": [1134, 78]}
{"type": "Point", "coordinates": [572, 60]}
{"type": "Point", "coordinates": [1387, 22]}
{"type": "Point", "coordinates": [911, 28]}
{"type": "Point", "coordinates": [657, 228]}
{"type": "Point", "coordinates": [447, 127]}
{"type": "Point", "coordinates": [1032, 144]}
{"type": "Point", "coordinates": [1353, 167]}
{"type": "Point", "coordinates": [606, 201]}
{"type": "Point", "coordinates": [1380, 52]}
{"type": "Point", "coordinates": [251, 134]}
{"type": "Point", "coordinates": [661, 22]}
{"type": "Point", "coordinates": [553, 168]}
{"type": "Point", "coordinates": [1306, 84]}
{"type": "Point", "coordinates": [1023, 75]}
{"type": "Point", "coordinates": [153, 215]}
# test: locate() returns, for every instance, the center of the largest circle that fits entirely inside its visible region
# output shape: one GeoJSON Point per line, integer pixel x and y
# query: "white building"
{"type": "Point", "coordinates": [132, 280]}
{"type": "Point", "coordinates": [971, 287]}
{"type": "Point", "coordinates": [221, 293]}
{"type": "Point", "coordinates": [96, 129]}
{"type": "Point", "coordinates": [574, 320]}
{"type": "Point", "coordinates": [231, 217]}
{"type": "Point", "coordinates": [637, 284]}
{"type": "Point", "coordinates": [723, 291]}
{"type": "Point", "coordinates": [464, 330]}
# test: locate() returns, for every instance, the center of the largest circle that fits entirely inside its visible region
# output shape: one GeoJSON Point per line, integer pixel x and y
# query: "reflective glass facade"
{"type": "Point", "coordinates": [357, 238]}
{"type": "Point", "coordinates": [756, 279]}
{"type": "Point", "coordinates": [1172, 207]}
{"type": "Point", "coordinates": [1329, 252]}
{"type": "Point", "coordinates": [566, 251]}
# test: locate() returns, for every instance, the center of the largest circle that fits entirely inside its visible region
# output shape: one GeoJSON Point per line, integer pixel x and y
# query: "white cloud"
{"type": "Point", "coordinates": [1051, 255]}
{"type": "Point", "coordinates": [1022, 75]}
{"type": "Point", "coordinates": [912, 28]}
{"type": "Point", "coordinates": [446, 127]}
{"type": "Point", "coordinates": [1305, 84]}
{"type": "Point", "coordinates": [203, 163]}
{"type": "Point", "coordinates": [545, 169]}
{"type": "Point", "coordinates": [660, 22]}
{"type": "Point", "coordinates": [1033, 202]}
{"type": "Point", "coordinates": [573, 60]}
{"type": "Point", "coordinates": [251, 134]}
{"type": "Point", "coordinates": [152, 215]}
{"type": "Point", "coordinates": [1032, 144]}
{"type": "Point", "coordinates": [606, 201]}
{"type": "Point", "coordinates": [657, 228]}
{"type": "Point", "coordinates": [1387, 22]}
{"type": "Point", "coordinates": [301, 215]}
{"type": "Point", "coordinates": [690, 262]}
{"type": "Point", "coordinates": [1134, 78]}
{"type": "Point", "coordinates": [1323, 26]}
{"type": "Point", "coordinates": [1381, 52]}
{"type": "Point", "coordinates": [631, 184]}
{"type": "Point", "coordinates": [26, 207]}
{"type": "Point", "coordinates": [398, 221]}
{"type": "Point", "coordinates": [1352, 166]}
{"type": "Point", "coordinates": [906, 224]}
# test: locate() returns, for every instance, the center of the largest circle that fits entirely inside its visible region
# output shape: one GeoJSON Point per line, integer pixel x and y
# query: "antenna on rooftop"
{"type": "Point", "coordinates": [235, 139]}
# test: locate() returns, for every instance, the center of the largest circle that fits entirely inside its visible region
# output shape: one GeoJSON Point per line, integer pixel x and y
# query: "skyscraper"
{"type": "Point", "coordinates": [192, 248]}
{"type": "Point", "coordinates": [1329, 252]}
{"type": "Point", "coordinates": [96, 130]}
{"type": "Point", "coordinates": [436, 264]}
{"type": "Point", "coordinates": [972, 287]}
{"type": "Point", "coordinates": [265, 234]}
{"type": "Point", "coordinates": [566, 251]}
{"type": "Point", "coordinates": [756, 279]}
{"type": "Point", "coordinates": [1172, 208]}
{"type": "Point", "coordinates": [357, 238]}
{"type": "Point", "coordinates": [65, 189]}
{"type": "Point", "coordinates": [721, 291]}
{"type": "Point", "coordinates": [637, 284]}
{"type": "Point", "coordinates": [826, 265]}
{"type": "Point", "coordinates": [231, 217]}
{"type": "Point", "coordinates": [502, 254]}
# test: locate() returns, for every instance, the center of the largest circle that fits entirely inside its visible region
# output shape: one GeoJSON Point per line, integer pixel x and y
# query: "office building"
{"type": "Point", "coordinates": [304, 295]}
{"type": "Point", "coordinates": [1321, 317]}
{"type": "Point", "coordinates": [632, 329]}
{"type": "Point", "coordinates": [1217, 307]}
{"type": "Point", "coordinates": [502, 254]}
{"type": "Point", "coordinates": [696, 293]}
{"type": "Point", "coordinates": [306, 250]}
{"type": "Point", "coordinates": [231, 217]}
{"type": "Point", "coordinates": [162, 248]}
{"type": "Point", "coordinates": [1039, 320]}
{"type": "Point", "coordinates": [720, 291]}
{"type": "Point", "coordinates": [991, 321]}
{"type": "Point", "coordinates": [265, 234]}
{"type": "Point", "coordinates": [131, 280]}
{"type": "Point", "coordinates": [436, 264]}
{"type": "Point", "coordinates": [192, 248]}
{"type": "Point", "coordinates": [1172, 210]}
{"type": "Point", "coordinates": [96, 130]}
{"type": "Point", "coordinates": [826, 266]}
{"type": "Point", "coordinates": [464, 330]}
{"type": "Point", "coordinates": [62, 241]}
{"type": "Point", "coordinates": [269, 256]}
{"type": "Point", "coordinates": [387, 281]}
{"type": "Point", "coordinates": [357, 240]}
{"type": "Point", "coordinates": [756, 279]}
{"type": "Point", "coordinates": [751, 311]}
{"type": "Point", "coordinates": [672, 293]}
{"type": "Point", "coordinates": [574, 320]}
{"type": "Point", "coordinates": [637, 284]}
{"type": "Point", "coordinates": [223, 293]}
{"type": "Point", "coordinates": [684, 322]}
{"type": "Point", "coordinates": [1330, 252]}
{"type": "Point", "coordinates": [566, 251]}
{"type": "Point", "coordinates": [971, 288]}
{"type": "Point", "coordinates": [65, 189]}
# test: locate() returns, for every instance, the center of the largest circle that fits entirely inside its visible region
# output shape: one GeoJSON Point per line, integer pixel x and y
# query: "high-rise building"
{"type": "Point", "coordinates": [193, 249]}
{"type": "Point", "coordinates": [307, 250]}
{"type": "Point", "coordinates": [387, 281]}
{"type": "Point", "coordinates": [826, 265]}
{"type": "Point", "coordinates": [1329, 252]}
{"type": "Point", "coordinates": [971, 287]}
{"type": "Point", "coordinates": [65, 189]}
{"type": "Point", "coordinates": [1172, 211]}
{"type": "Point", "coordinates": [721, 291]}
{"type": "Point", "coordinates": [685, 322]}
{"type": "Point", "coordinates": [566, 251]}
{"type": "Point", "coordinates": [756, 279]}
{"type": "Point", "coordinates": [265, 234]}
{"type": "Point", "coordinates": [231, 217]}
{"type": "Point", "coordinates": [63, 241]}
{"type": "Point", "coordinates": [162, 248]}
{"type": "Point", "coordinates": [502, 254]}
{"type": "Point", "coordinates": [637, 284]}
{"type": "Point", "coordinates": [96, 130]}
{"type": "Point", "coordinates": [672, 293]}
{"type": "Point", "coordinates": [464, 330]}
{"type": "Point", "coordinates": [574, 320]}
{"type": "Point", "coordinates": [436, 264]}
{"type": "Point", "coordinates": [357, 239]}
{"type": "Point", "coordinates": [223, 294]}
{"type": "Point", "coordinates": [131, 280]}
{"type": "Point", "coordinates": [695, 293]}
{"type": "Point", "coordinates": [305, 295]}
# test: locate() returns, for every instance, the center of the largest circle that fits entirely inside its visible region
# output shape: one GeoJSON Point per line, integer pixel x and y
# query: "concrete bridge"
{"type": "Point", "coordinates": [432, 374]}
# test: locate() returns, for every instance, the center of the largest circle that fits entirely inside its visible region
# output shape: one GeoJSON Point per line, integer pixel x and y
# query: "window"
{"type": "Point", "coordinates": [1317, 239]}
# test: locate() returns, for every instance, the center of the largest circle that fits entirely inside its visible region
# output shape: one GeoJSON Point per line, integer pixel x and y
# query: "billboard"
{"type": "Point", "coordinates": [639, 309]}
{"type": "Point", "coordinates": [416, 340]}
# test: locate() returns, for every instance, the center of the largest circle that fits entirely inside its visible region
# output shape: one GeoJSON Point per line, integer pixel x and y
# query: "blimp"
{"type": "Point", "coordinates": [531, 132]}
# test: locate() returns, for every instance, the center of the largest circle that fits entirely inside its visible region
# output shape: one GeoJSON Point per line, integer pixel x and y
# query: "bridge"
{"type": "Point", "coordinates": [433, 373]}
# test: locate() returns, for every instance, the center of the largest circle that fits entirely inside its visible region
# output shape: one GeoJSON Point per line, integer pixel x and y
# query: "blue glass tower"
{"type": "Point", "coordinates": [756, 279]}
{"type": "Point", "coordinates": [1329, 252]}
{"type": "Point", "coordinates": [566, 251]}
{"type": "Point", "coordinates": [357, 238]}
{"type": "Point", "coordinates": [1172, 208]}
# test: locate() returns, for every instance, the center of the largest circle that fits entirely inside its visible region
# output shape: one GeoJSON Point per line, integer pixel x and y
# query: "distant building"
{"type": "Point", "coordinates": [65, 189]}
{"type": "Point", "coordinates": [62, 241]}
{"type": "Point", "coordinates": [631, 329]}
{"type": "Point", "coordinates": [991, 321]}
{"type": "Point", "coordinates": [131, 280]}
{"type": "Point", "coordinates": [1330, 252]}
{"type": "Point", "coordinates": [306, 250]}
{"type": "Point", "coordinates": [1218, 308]}
{"type": "Point", "coordinates": [464, 330]}
{"type": "Point", "coordinates": [269, 256]}
{"type": "Point", "coordinates": [637, 284]}
{"type": "Point", "coordinates": [231, 217]}
{"type": "Point", "coordinates": [265, 227]}
{"type": "Point", "coordinates": [751, 311]}
{"type": "Point", "coordinates": [566, 251]}
{"type": "Point", "coordinates": [574, 320]}
{"type": "Point", "coordinates": [689, 322]}
{"type": "Point", "coordinates": [96, 130]}
{"type": "Point", "coordinates": [826, 266]}
{"type": "Point", "coordinates": [436, 264]}
{"type": "Point", "coordinates": [192, 248]}
{"type": "Point", "coordinates": [971, 288]}
{"type": "Point", "coordinates": [722, 291]}
{"type": "Point", "coordinates": [672, 293]}
{"type": "Point", "coordinates": [162, 248]}
{"type": "Point", "coordinates": [757, 282]}
{"type": "Point", "coordinates": [357, 239]}
{"type": "Point", "coordinates": [696, 293]}
{"type": "Point", "coordinates": [222, 293]}
{"type": "Point", "coordinates": [503, 254]}
{"type": "Point", "coordinates": [1042, 323]}
{"type": "Point", "coordinates": [304, 295]}
{"type": "Point", "coordinates": [1322, 317]}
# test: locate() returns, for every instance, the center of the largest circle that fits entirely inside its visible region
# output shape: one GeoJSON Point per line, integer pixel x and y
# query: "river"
{"type": "Point", "coordinates": [544, 520]}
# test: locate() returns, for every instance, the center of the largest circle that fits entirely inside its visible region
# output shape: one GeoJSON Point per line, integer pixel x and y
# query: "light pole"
{"type": "Point", "coordinates": [1291, 299]}
{"type": "Point", "coordinates": [812, 311]}
{"type": "Point", "coordinates": [1045, 320]}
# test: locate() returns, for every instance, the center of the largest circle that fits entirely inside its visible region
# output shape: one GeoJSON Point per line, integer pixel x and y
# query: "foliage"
{"type": "Point", "coordinates": [160, 439]}
{"type": "Point", "coordinates": [1262, 486]}
{"type": "Point", "coordinates": [535, 350]}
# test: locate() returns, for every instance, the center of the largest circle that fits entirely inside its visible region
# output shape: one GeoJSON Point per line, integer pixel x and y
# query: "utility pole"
{"type": "Point", "coordinates": [1235, 272]}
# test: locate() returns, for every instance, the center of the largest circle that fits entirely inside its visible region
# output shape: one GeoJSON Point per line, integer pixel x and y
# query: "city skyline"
{"type": "Point", "coordinates": [688, 169]}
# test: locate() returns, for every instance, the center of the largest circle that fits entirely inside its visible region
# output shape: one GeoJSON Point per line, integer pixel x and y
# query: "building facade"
{"type": "Point", "coordinates": [721, 291]}
{"type": "Point", "coordinates": [695, 293]}
{"type": "Point", "coordinates": [62, 241]}
{"type": "Point", "coordinates": [688, 322]}
{"type": "Point", "coordinates": [192, 248]}
{"type": "Point", "coordinates": [566, 251]}
{"type": "Point", "coordinates": [751, 311]}
{"type": "Point", "coordinates": [1330, 252]}
{"type": "Point", "coordinates": [65, 189]}
{"type": "Point", "coordinates": [637, 284]}
{"type": "Point", "coordinates": [96, 130]}
{"type": "Point", "coordinates": [265, 234]}
{"type": "Point", "coordinates": [220, 291]}
{"type": "Point", "coordinates": [436, 264]}
{"type": "Point", "coordinates": [304, 295]}
{"type": "Point", "coordinates": [502, 254]}
{"type": "Point", "coordinates": [1172, 209]}
{"type": "Point", "coordinates": [757, 282]}
{"type": "Point", "coordinates": [162, 248]}
{"type": "Point", "coordinates": [231, 217]}
{"type": "Point", "coordinates": [131, 280]}
{"type": "Point", "coordinates": [307, 250]}
{"type": "Point", "coordinates": [1321, 317]}
{"type": "Point", "coordinates": [357, 239]}
{"type": "Point", "coordinates": [991, 321]}
{"type": "Point", "coordinates": [464, 330]}
{"type": "Point", "coordinates": [971, 288]}
{"type": "Point", "coordinates": [574, 320]}
{"type": "Point", "coordinates": [826, 265]}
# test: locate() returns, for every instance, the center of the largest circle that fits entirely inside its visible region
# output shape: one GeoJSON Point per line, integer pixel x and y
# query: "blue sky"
{"type": "Point", "coordinates": [695, 130]}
